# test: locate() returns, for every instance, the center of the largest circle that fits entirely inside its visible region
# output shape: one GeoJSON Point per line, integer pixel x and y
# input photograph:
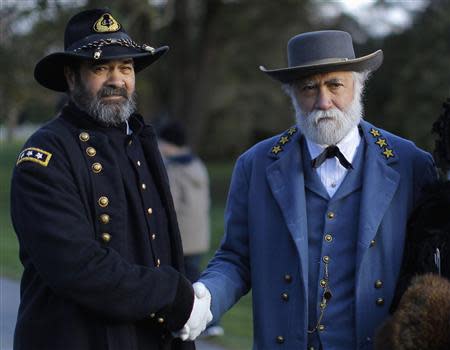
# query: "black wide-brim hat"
{"type": "Point", "coordinates": [322, 52]}
{"type": "Point", "coordinates": [93, 35]}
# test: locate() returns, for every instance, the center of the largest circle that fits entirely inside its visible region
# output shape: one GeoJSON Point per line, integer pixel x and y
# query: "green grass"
{"type": "Point", "coordinates": [237, 322]}
{"type": "Point", "coordinates": [9, 248]}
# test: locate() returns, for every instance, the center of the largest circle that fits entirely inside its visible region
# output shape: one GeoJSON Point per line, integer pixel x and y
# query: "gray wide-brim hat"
{"type": "Point", "coordinates": [93, 35]}
{"type": "Point", "coordinates": [322, 52]}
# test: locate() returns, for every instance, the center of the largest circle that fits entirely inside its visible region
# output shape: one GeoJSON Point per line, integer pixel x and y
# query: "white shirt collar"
{"type": "Point", "coordinates": [348, 145]}
{"type": "Point", "coordinates": [129, 131]}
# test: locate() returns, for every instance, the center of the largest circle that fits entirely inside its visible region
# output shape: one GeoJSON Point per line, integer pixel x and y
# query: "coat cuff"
{"type": "Point", "coordinates": [181, 308]}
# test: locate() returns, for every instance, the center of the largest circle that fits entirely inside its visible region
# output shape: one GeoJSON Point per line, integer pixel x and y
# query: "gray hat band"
{"type": "Point", "coordinates": [325, 61]}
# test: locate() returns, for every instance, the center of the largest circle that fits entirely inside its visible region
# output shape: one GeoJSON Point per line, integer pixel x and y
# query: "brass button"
{"type": "Point", "coordinates": [160, 320]}
{"type": "Point", "coordinates": [97, 167]}
{"type": "Point", "coordinates": [326, 259]}
{"type": "Point", "coordinates": [84, 136]}
{"type": "Point", "coordinates": [285, 296]}
{"type": "Point", "coordinates": [144, 186]}
{"type": "Point", "coordinates": [130, 143]}
{"type": "Point", "coordinates": [330, 215]}
{"type": "Point", "coordinates": [90, 151]}
{"type": "Point", "coordinates": [311, 348]}
{"type": "Point", "coordinates": [106, 237]}
{"type": "Point", "coordinates": [288, 278]}
{"type": "Point", "coordinates": [280, 339]}
{"type": "Point", "coordinates": [380, 302]}
{"type": "Point", "coordinates": [378, 284]}
{"type": "Point", "coordinates": [153, 236]}
{"type": "Point", "coordinates": [104, 218]}
{"type": "Point", "coordinates": [149, 211]}
{"type": "Point", "coordinates": [138, 163]}
{"type": "Point", "coordinates": [103, 201]}
{"type": "Point", "coordinates": [321, 327]}
{"type": "Point", "coordinates": [372, 243]}
{"type": "Point", "coordinates": [323, 283]}
{"type": "Point", "coordinates": [328, 237]}
{"type": "Point", "coordinates": [152, 315]}
{"type": "Point", "coordinates": [158, 263]}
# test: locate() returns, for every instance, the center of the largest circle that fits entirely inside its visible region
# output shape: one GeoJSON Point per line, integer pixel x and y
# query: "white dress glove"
{"type": "Point", "coordinates": [200, 315]}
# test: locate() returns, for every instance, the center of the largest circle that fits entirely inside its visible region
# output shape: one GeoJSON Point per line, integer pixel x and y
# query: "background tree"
{"type": "Point", "coordinates": [210, 78]}
{"type": "Point", "coordinates": [406, 95]}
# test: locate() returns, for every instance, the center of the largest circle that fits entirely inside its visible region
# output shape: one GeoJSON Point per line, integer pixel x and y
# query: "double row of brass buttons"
{"type": "Point", "coordinates": [97, 167]}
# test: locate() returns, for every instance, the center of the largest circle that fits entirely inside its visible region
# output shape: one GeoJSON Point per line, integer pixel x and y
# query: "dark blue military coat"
{"type": "Point", "coordinates": [85, 286]}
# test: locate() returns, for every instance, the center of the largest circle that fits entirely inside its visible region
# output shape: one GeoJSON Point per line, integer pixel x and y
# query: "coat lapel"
{"type": "Point", "coordinates": [379, 185]}
{"type": "Point", "coordinates": [286, 181]}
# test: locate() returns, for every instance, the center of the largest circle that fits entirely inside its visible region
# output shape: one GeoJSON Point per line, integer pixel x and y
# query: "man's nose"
{"type": "Point", "coordinates": [115, 78]}
{"type": "Point", "coordinates": [323, 100]}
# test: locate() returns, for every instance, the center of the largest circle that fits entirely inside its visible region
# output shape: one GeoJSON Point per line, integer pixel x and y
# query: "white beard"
{"type": "Point", "coordinates": [330, 126]}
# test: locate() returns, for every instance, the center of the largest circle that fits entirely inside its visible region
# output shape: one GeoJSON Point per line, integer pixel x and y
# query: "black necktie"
{"type": "Point", "coordinates": [330, 152]}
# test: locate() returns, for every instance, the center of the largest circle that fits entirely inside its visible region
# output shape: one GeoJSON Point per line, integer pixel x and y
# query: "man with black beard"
{"type": "Point", "coordinates": [91, 206]}
{"type": "Point", "coordinates": [315, 219]}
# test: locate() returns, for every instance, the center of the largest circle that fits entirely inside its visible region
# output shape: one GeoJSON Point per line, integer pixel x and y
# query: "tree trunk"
{"type": "Point", "coordinates": [12, 119]}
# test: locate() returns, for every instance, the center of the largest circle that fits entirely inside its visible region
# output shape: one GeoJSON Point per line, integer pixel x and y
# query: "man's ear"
{"type": "Point", "coordinates": [70, 77]}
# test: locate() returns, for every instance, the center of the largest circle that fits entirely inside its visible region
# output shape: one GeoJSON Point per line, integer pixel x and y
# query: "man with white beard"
{"type": "Point", "coordinates": [91, 206]}
{"type": "Point", "coordinates": [316, 216]}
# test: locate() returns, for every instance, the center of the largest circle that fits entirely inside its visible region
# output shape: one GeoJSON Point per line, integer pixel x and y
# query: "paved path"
{"type": "Point", "coordinates": [9, 302]}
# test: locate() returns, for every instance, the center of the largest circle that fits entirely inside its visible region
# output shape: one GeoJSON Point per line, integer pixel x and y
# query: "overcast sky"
{"type": "Point", "coordinates": [378, 20]}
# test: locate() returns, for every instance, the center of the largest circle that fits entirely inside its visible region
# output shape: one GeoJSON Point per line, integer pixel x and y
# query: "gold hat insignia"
{"type": "Point", "coordinates": [106, 24]}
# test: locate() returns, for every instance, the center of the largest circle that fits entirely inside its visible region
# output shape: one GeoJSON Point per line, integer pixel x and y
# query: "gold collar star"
{"type": "Point", "coordinates": [381, 142]}
{"type": "Point", "coordinates": [388, 153]}
{"type": "Point", "coordinates": [292, 131]}
{"type": "Point", "coordinates": [284, 140]}
{"type": "Point", "coordinates": [375, 133]}
{"type": "Point", "coordinates": [276, 149]}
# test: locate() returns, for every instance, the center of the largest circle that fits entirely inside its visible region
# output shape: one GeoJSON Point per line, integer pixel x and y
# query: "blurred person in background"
{"type": "Point", "coordinates": [421, 306]}
{"type": "Point", "coordinates": [91, 206]}
{"type": "Point", "coordinates": [189, 185]}
{"type": "Point", "coordinates": [316, 216]}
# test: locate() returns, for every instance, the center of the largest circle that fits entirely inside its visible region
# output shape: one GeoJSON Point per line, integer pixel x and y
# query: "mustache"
{"type": "Point", "coordinates": [112, 91]}
{"type": "Point", "coordinates": [318, 115]}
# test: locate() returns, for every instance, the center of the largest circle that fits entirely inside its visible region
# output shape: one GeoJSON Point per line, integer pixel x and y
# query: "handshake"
{"type": "Point", "coordinates": [200, 315]}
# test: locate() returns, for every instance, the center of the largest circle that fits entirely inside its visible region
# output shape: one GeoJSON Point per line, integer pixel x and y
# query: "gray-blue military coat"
{"type": "Point", "coordinates": [265, 246]}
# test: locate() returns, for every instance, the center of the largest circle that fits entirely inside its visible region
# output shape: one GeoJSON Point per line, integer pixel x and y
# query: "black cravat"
{"type": "Point", "coordinates": [330, 152]}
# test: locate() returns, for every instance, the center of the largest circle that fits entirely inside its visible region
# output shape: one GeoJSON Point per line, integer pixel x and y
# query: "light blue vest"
{"type": "Point", "coordinates": [332, 236]}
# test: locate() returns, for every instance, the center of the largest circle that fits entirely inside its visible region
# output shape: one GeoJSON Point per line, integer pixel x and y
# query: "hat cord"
{"type": "Point", "coordinates": [98, 44]}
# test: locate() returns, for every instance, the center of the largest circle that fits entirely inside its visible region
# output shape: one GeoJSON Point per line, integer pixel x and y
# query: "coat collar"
{"type": "Point", "coordinates": [82, 120]}
{"type": "Point", "coordinates": [378, 141]}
